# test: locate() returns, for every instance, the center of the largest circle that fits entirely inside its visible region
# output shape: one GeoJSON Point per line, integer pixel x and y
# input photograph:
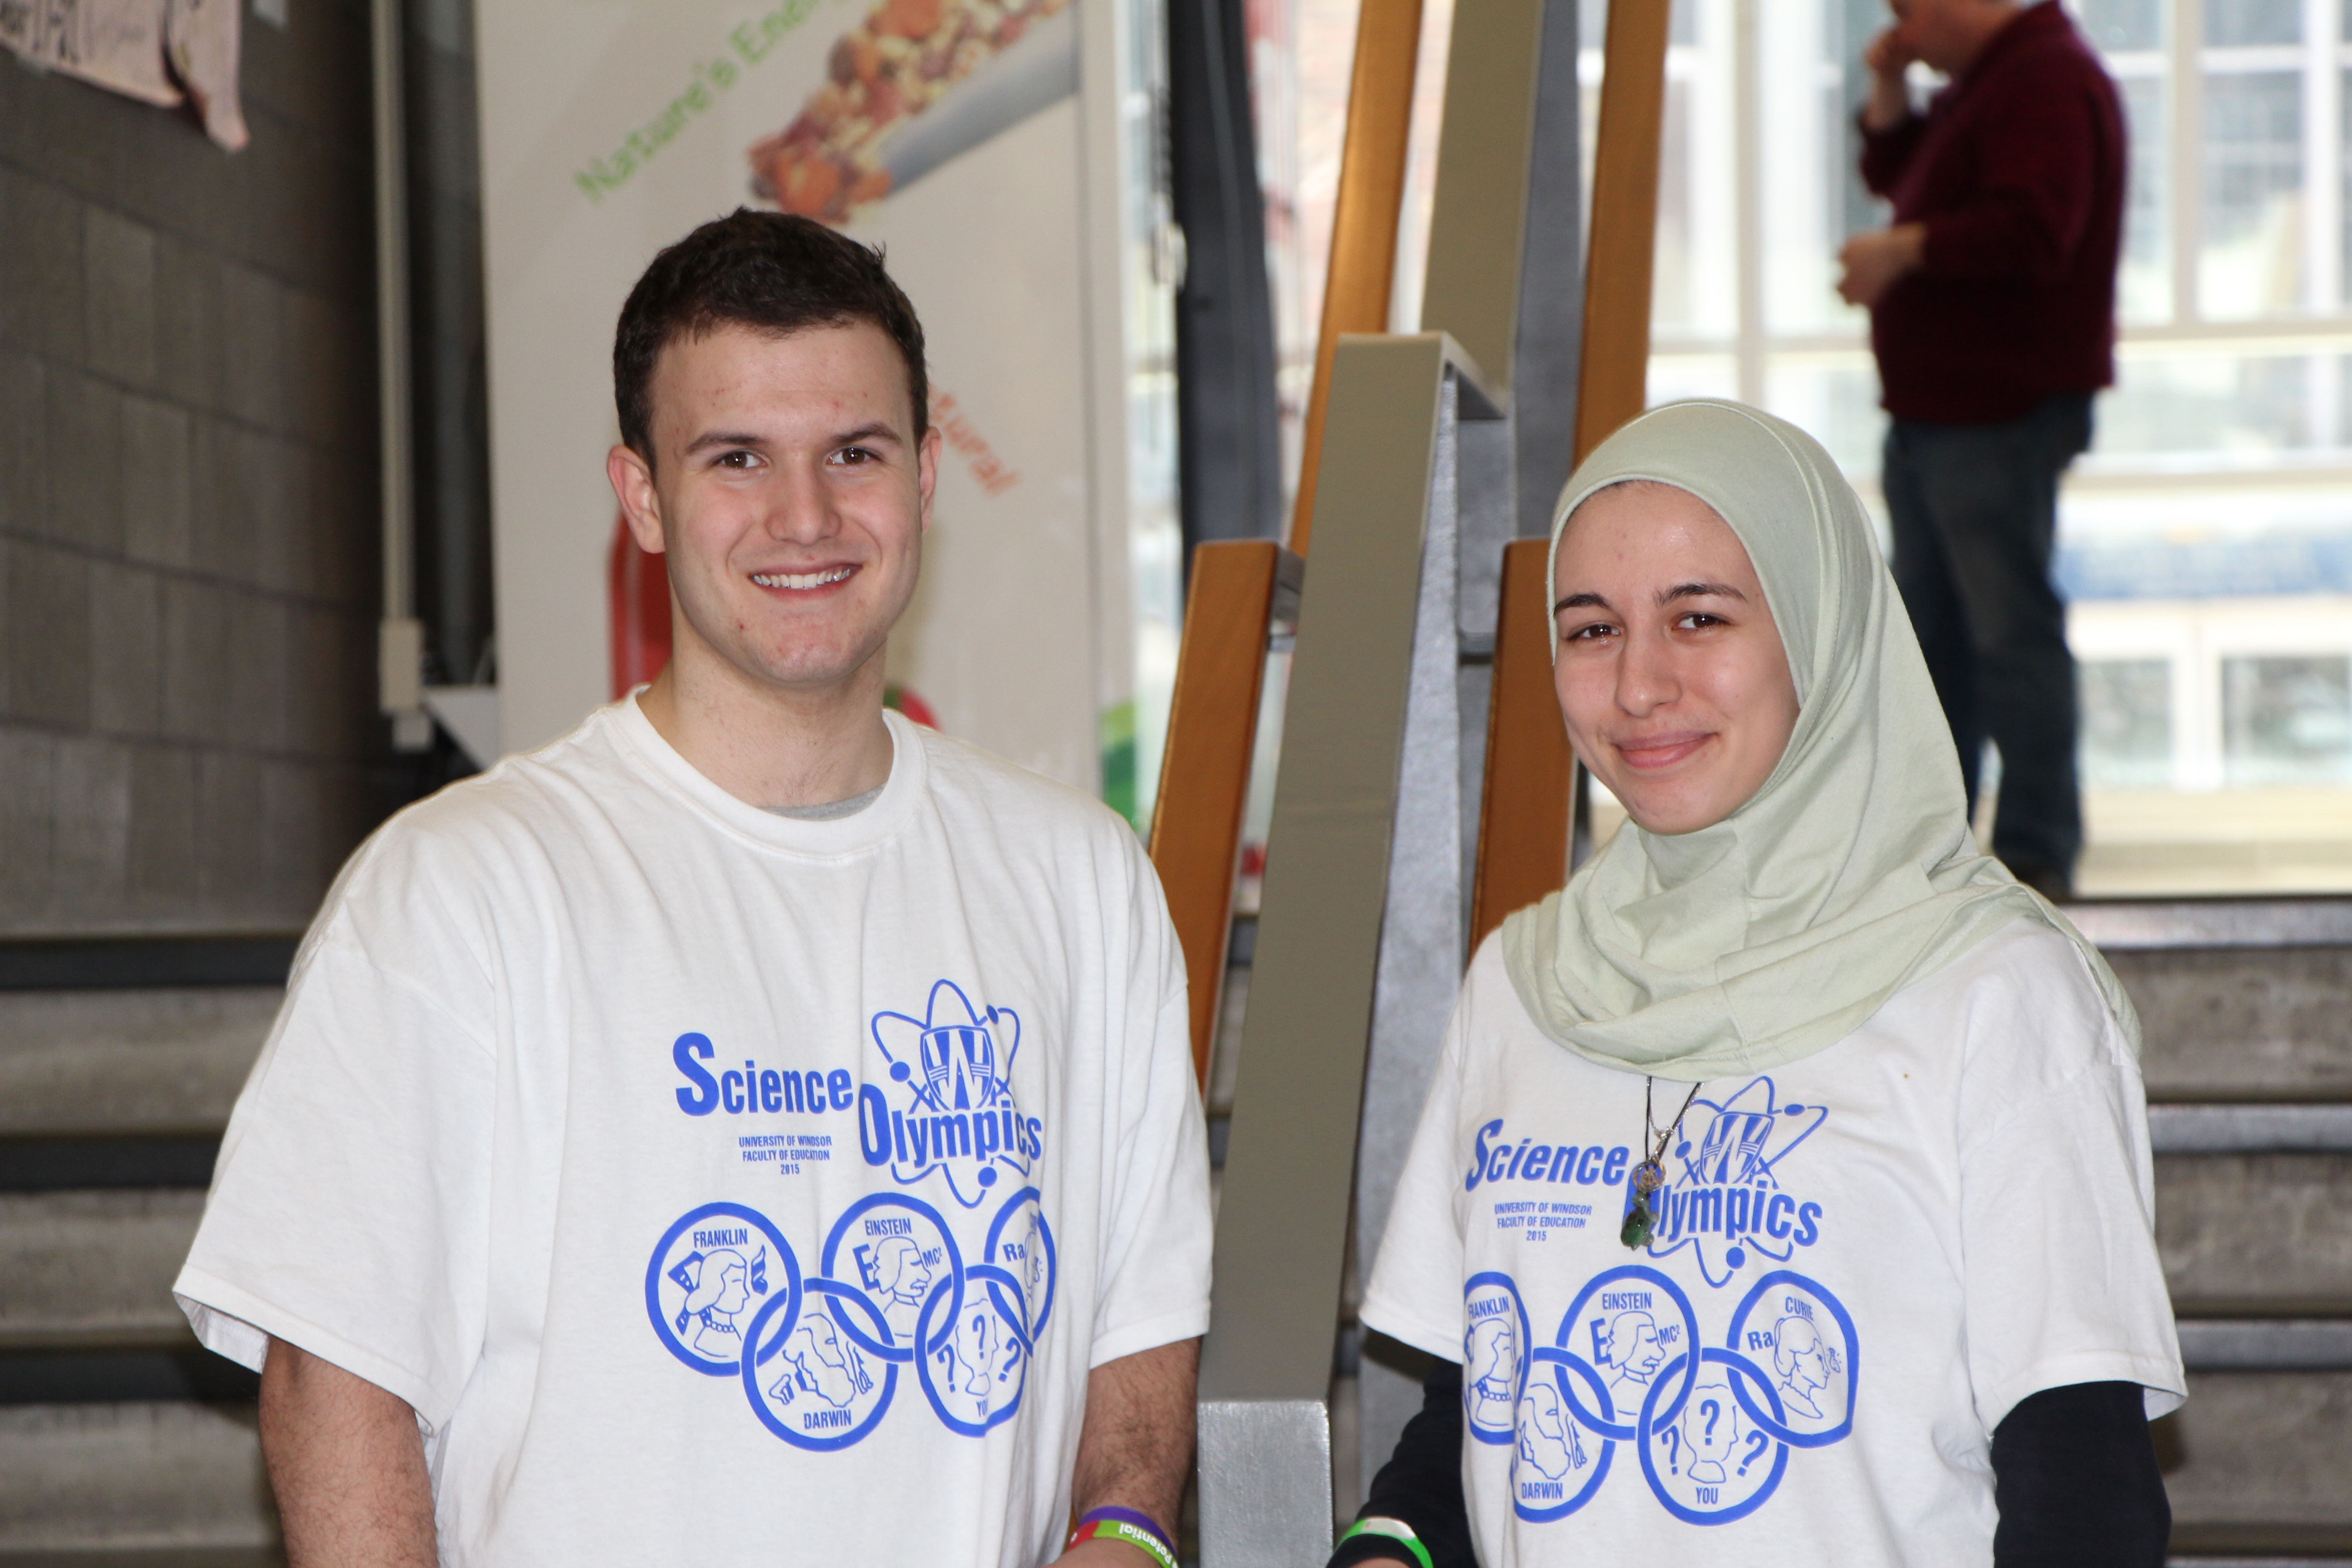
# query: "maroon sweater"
{"type": "Point", "coordinates": [2018, 170]}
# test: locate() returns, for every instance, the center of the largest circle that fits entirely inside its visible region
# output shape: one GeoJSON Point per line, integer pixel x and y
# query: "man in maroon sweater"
{"type": "Point", "coordinates": [1992, 298]}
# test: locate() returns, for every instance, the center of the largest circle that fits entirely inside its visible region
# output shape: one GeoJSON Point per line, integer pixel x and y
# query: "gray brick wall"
{"type": "Point", "coordinates": [187, 483]}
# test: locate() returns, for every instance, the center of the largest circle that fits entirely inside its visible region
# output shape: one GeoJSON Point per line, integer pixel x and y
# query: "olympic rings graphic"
{"type": "Point", "coordinates": [1713, 1427]}
{"type": "Point", "coordinates": [829, 1349]}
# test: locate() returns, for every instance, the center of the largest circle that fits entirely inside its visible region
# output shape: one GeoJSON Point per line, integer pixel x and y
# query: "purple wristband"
{"type": "Point", "coordinates": [1128, 1516]}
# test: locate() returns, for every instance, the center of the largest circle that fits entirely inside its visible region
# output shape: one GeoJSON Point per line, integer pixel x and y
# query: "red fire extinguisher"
{"type": "Point", "coordinates": [636, 588]}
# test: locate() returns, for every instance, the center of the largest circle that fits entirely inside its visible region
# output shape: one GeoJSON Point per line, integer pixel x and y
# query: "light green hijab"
{"type": "Point", "coordinates": [1850, 874]}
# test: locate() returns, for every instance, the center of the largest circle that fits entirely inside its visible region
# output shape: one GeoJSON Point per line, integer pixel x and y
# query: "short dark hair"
{"type": "Point", "coordinates": [773, 272]}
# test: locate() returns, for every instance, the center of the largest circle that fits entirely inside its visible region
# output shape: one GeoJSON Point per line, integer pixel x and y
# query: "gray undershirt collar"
{"type": "Point", "coordinates": [832, 810]}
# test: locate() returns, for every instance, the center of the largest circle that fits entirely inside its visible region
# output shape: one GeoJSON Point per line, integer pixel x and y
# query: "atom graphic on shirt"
{"type": "Point", "coordinates": [1725, 1199]}
{"type": "Point", "coordinates": [956, 1113]}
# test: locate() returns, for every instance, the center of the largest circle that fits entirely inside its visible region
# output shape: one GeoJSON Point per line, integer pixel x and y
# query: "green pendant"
{"type": "Point", "coordinates": [1640, 1226]}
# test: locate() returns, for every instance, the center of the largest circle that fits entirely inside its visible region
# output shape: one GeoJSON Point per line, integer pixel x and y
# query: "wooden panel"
{"type": "Point", "coordinates": [1364, 220]}
{"type": "Point", "coordinates": [1196, 824]}
{"type": "Point", "coordinates": [1613, 387]}
{"type": "Point", "coordinates": [1523, 821]}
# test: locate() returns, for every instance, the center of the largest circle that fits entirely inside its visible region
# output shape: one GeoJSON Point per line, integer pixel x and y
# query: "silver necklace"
{"type": "Point", "coordinates": [1641, 1222]}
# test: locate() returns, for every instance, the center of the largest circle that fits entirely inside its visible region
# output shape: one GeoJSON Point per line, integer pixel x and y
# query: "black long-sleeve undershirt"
{"type": "Point", "coordinates": [2074, 1478]}
{"type": "Point", "coordinates": [1421, 1482]}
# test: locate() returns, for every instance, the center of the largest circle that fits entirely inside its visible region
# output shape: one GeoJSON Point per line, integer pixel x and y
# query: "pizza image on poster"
{"type": "Point", "coordinates": [912, 85]}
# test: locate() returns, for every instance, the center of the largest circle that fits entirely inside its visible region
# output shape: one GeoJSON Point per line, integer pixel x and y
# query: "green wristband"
{"type": "Point", "coordinates": [1395, 1529]}
{"type": "Point", "coordinates": [1120, 1531]}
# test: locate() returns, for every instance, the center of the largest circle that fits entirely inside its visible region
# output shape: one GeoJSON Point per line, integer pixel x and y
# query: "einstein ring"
{"type": "Point", "coordinates": [1633, 1326]}
{"type": "Point", "coordinates": [896, 1250]}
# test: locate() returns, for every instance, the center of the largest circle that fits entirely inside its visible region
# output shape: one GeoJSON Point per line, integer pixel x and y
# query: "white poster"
{"type": "Point", "coordinates": [988, 144]}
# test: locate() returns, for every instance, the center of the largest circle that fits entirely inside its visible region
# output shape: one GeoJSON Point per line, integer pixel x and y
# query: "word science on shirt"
{"type": "Point", "coordinates": [1715, 1395]}
{"type": "Point", "coordinates": [944, 1277]}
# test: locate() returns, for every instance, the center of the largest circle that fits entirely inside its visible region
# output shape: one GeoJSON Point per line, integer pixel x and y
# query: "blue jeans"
{"type": "Point", "coordinates": [1975, 514]}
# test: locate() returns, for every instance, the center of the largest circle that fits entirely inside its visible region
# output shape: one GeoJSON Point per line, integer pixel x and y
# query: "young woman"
{"type": "Point", "coordinates": [1784, 1181]}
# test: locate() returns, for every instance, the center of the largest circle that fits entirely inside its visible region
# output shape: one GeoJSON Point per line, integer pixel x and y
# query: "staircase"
{"type": "Point", "coordinates": [2247, 1007]}
{"type": "Point", "coordinates": [122, 1441]}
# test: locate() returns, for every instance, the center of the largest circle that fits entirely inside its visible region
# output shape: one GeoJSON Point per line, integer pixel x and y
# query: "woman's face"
{"type": "Point", "coordinates": [1671, 674]}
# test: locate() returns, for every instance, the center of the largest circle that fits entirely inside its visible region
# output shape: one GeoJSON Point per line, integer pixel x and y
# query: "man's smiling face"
{"type": "Point", "coordinates": [790, 495]}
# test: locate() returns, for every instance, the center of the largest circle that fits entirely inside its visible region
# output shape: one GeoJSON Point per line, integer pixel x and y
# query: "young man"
{"type": "Point", "coordinates": [1991, 300]}
{"type": "Point", "coordinates": [753, 1126]}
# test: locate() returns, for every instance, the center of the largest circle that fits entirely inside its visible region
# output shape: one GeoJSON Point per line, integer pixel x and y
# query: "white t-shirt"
{"type": "Point", "coordinates": [1863, 1259]}
{"type": "Point", "coordinates": [590, 1076]}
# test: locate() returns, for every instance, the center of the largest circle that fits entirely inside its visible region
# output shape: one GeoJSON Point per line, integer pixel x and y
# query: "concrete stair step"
{"type": "Point", "coordinates": [145, 1478]}
{"type": "Point", "coordinates": [126, 960]}
{"type": "Point", "coordinates": [2260, 1463]}
{"type": "Point", "coordinates": [2249, 1228]}
{"type": "Point", "coordinates": [2131, 925]}
{"type": "Point", "coordinates": [2238, 998]}
{"type": "Point", "coordinates": [2257, 1463]}
{"type": "Point", "coordinates": [2241, 1023]}
{"type": "Point", "coordinates": [167, 1557]}
{"type": "Point", "coordinates": [93, 1267]}
{"type": "Point", "coordinates": [2266, 1344]}
{"type": "Point", "coordinates": [2232, 1547]}
{"type": "Point", "coordinates": [172, 1369]}
{"type": "Point", "coordinates": [2324, 1128]}
{"type": "Point", "coordinates": [87, 1163]}
{"type": "Point", "coordinates": [154, 1061]}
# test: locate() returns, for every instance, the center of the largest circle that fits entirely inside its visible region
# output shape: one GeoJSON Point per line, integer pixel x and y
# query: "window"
{"type": "Point", "coordinates": [2206, 540]}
